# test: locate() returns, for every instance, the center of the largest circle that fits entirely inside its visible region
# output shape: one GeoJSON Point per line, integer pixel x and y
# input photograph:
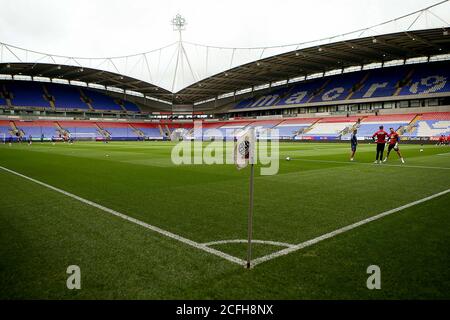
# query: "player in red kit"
{"type": "Point", "coordinates": [394, 138]}
{"type": "Point", "coordinates": [380, 138]}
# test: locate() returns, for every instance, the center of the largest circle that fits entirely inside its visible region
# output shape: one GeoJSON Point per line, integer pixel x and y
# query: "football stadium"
{"type": "Point", "coordinates": [319, 170]}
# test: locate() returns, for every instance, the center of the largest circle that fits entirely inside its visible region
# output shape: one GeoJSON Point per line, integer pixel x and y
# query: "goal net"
{"type": "Point", "coordinates": [83, 136]}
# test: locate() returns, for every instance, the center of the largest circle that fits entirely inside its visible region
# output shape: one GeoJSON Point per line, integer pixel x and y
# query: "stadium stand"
{"type": "Point", "coordinates": [150, 130]}
{"type": "Point", "coordinates": [130, 106]}
{"type": "Point", "coordinates": [80, 129]}
{"type": "Point", "coordinates": [4, 129]}
{"type": "Point", "coordinates": [411, 125]}
{"type": "Point", "coordinates": [37, 129]}
{"type": "Point", "coordinates": [421, 79]}
{"type": "Point", "coordinates": [100, 101]}
{"type": "Point", "coordinates": [288, 129]}
{"type": "Point", "coordinates": [332, 128]}
{"type": "Point", "coordinates": [230, 129]}
{"type": "Point", "coordinates": [430, 125]}
{"type": "Point", "coordinates": [382, 83]}
{"type": "Point", "coordinates": [119, 131]}
{"type": "Point", "coordinates": [302, 92]}
{"type": "Point", "coordinates": [66, 97]}
{"type": "Point", "coordinates": [339, 88]}
{"type": "Point", "coordinates": [268, 99]}
{"type": "Point", "coordinates": [207, 131]}
{"type": "Point", "coordinates": [428, 78]}
{"type": "Point", "coordinates": [370, 124]}
{"type": "Point", "coordinates": [26, 94]}
{"type": "Point", "coordinates": [30, 94]}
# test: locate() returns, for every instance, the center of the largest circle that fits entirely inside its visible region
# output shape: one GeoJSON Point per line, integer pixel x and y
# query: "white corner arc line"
{"type": "Point", "coordinates": [268, 242]}
{"type": "Point", "coordinates": [133, 220]}
{"type": "Point", "coordinates": [342, 230]}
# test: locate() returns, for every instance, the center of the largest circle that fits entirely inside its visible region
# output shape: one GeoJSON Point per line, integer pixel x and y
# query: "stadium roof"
{"type": "Point", "coordinates": [87, 75]}
{"type": "Point", "coordinates": [285, 66]}
{"type": "Point", "coordinates": [319, 59]}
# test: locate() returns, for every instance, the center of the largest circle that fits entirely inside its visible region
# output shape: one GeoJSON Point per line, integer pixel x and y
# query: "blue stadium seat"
{"type": "Point", "coordinates": [427, 79]}
{"type": "Point", "coordinates": [101, 101]}
{"type": "Point", "coordinates": [27, 94]}
{"type": "Point", "coordinates": [339, 87]}
{"type": "Point", "coordinates": [381, 83]}
{"type": "Point", "coordinates": [66, 97]}
{"type": "Point", "coordinates": [368, 129]}
{"type": "Point", "coordinates": [130, 106]}
{"type": "Point", "coordinates": [151, 132]}
{"type": "Point", "coordinates": [302, 92]}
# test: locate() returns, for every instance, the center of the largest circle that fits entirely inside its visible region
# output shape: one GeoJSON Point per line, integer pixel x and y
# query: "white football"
{"type": "Point", "coordinates": [421, 150]}
{"type": "Point", "coordinates": [288, 158]}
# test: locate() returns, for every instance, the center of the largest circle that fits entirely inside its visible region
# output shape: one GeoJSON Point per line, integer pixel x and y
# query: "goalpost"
{"type": "Point", "coordinates": [83, 136]}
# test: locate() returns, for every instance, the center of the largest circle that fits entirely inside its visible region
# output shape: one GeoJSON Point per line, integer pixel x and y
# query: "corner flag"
{"type": "Point", "coordinates": [244, 150]}
{"type": "Point", "coordinates": [244, 153]}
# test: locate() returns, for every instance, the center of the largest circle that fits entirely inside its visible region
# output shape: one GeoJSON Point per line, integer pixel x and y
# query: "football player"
{"type": "Point", "coordinates": [394, 138]}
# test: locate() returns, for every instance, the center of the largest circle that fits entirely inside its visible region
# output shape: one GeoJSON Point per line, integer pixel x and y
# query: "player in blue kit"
{"type": "Point", "coordinates": [354, 144]}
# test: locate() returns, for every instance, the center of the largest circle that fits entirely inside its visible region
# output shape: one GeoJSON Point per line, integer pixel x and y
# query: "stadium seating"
{"type": "Point", "coordinates": [302, 92]}
{"type": "Point", "coordinates": [100, 101]}
{"type": "Point", "coordinates": [431, 125]}
{"type": "Point", "coordinates": [288, 129]}
{"type": "Point", "coordinates": [385, 82]}
{"type": "Point", "coordinates": [371, 124]}
{"type": "Point", "coordinates": [262, 127]}
{"type": "Point", "coordinates": [230, 129]}
{"type": "Point", "coordinates": [381, 83]}
{"type": "Point", "coordinates": [428, 125]}
{"type": "Point", "coordinates": [427, 79]}
{"type": "Point", "coordinates": [119, 131]}
{"type": "Point", "coordinates": [37, 129]}
{"type": "Point", "coordinates": [32, 94]}
{"type": "Point", "coordinates": [339, 87]}
{"type": "Point", "coordinates": [26, 94]}
{"type": "Point", "coordinates": [264, 100]}
{"type": "Point", "coordinates": [130, 106]}
{"type": "Point", "coordinates": [331, 128]}
{"type": "Point", "coordinates": [4, 129]}
{"type": "Point", "coordinates": [66, 97]}
{"type": "Point", "coordinates": [150, 130]}
{"type": "Point", "coordinates": [206, 132]}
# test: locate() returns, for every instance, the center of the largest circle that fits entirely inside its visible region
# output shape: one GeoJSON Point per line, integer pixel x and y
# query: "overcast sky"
{"type": "Point", "coordinates": [119, 27]}
{"type": "Point", "coordinates": [105, 28]}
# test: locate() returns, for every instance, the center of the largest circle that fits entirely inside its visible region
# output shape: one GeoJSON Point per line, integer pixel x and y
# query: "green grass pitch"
{"type": "Point", "coordinates": [42, 232]}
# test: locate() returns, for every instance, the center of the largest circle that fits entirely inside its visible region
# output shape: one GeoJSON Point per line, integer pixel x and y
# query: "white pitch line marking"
{"type": "Point", "coordinates": [272, 243]}
{"type": "Point", "coordinates": [133, 220]}
{"type": "Point", "coordinates": [371, 164]}
{"type": "Point", "coordinates": [342, 230]}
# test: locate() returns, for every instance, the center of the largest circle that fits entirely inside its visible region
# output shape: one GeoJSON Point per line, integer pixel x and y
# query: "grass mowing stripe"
{"type": "Point", "coordinates": [133, 220]}
{"type": "Point", "coordinates": [365, 163]}
{"type": "Point", "coordinates": [342, 230]}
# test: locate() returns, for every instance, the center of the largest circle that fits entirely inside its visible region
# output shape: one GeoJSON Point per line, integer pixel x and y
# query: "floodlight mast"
{"type": "Point", "coordinates": [179, 24]}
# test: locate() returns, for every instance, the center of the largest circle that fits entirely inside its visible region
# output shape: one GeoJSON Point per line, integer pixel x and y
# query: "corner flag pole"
{"type": "Point", "coordinates": [252, 147]}
{"type": "Point", "coordinates": [250, 218]}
